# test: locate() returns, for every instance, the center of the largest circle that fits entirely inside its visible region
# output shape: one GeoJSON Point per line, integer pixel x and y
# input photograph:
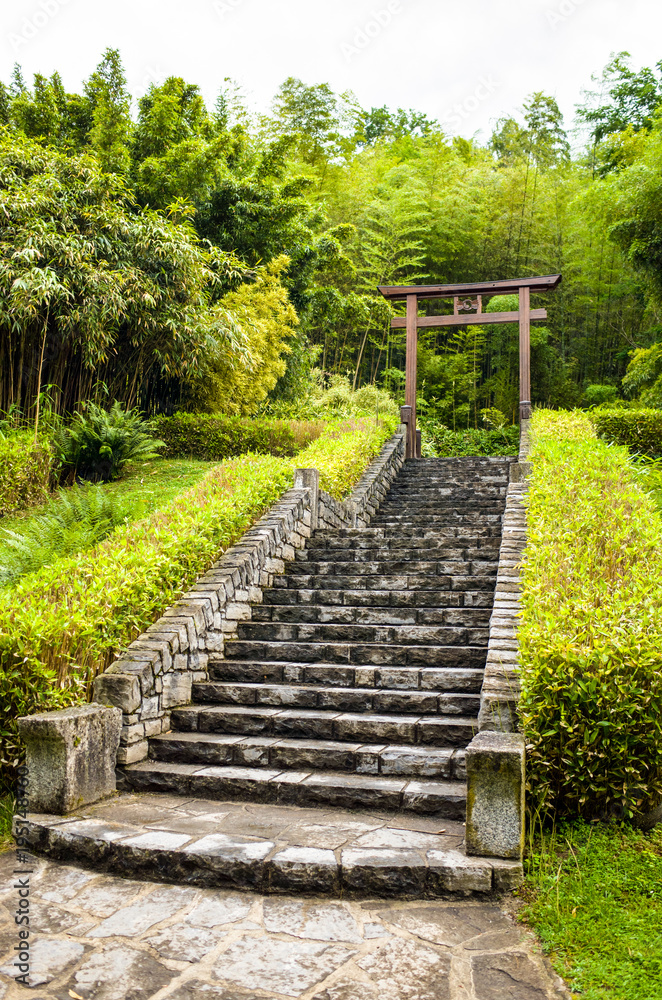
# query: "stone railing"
{"type": "Point", "coordinates": [156, 672]}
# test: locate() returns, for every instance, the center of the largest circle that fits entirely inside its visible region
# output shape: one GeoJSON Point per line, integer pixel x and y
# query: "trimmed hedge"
{"type": "Point", "coordinates": [639, 430]}
{"type": "Point", "coordinates": [444, 443]}
{"type": "Point", "coordinates": [64, 623]}
{"type": "Point", "coordinates": [214, 438]}
{"type": "Point", "coordinates": [591, 631]}
{"type": "Point", "coordinates": [26, 471]}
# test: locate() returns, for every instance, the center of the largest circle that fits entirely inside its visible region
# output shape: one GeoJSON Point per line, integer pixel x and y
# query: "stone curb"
{"type": "Point", "coordinates": [500, 692]}
{"type": "Point", "coordinates": [156, 671]}
{"type": "Point", "coordinates": [216, 861]}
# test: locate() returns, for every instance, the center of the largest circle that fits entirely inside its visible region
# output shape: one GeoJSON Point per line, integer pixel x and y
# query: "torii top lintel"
{"type": "Point", "coordinates": [468, 310]}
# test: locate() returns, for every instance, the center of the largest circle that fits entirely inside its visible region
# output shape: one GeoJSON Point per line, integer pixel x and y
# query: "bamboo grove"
{"type": "Point", "coordinates": [178, 256]}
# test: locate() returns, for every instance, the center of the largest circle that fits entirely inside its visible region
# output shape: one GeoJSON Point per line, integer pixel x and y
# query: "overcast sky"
{"type": "Point", "coordinates": [465, 63]}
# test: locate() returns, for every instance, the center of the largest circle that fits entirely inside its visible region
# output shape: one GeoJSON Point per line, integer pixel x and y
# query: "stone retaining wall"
{"type": "Point", "coordinates": [156, 672]}
{"type": "Point", "coordinates": [501, 687]}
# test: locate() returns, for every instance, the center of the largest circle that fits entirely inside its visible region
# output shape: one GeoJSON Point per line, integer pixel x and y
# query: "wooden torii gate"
{"type": "Point", "coordinates": [468, 309]}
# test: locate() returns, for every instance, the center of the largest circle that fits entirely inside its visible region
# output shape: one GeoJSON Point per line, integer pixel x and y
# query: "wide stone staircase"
{"type": "Point", "coordinates": [356, 683]}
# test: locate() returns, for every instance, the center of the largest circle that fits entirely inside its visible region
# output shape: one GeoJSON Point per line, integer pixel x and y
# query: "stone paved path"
{"type": "Point", "coordinates": [98, 937]}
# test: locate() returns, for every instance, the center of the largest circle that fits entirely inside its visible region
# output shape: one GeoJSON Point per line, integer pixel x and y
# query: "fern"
{"type": "Point", "coordinates": [75, 520]}
{"type": "Point", "coordinates": [98, 443]}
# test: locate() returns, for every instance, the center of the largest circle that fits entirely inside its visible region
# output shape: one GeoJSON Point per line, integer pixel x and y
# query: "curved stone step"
{"type": "Point", "coordinates": [318, 755]}
{"type": "Point", "coordinates": [319, 724]}
{"type": "Point", "coordinates": [302, 788]}
{"type": "Point", "coordinates": [341, 699]}
{"type": "Point", "coordinates": [258, 848]}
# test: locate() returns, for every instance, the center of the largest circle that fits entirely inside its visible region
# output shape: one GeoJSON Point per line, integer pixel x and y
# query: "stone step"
{"type": "Point", "coordinates": [322, 632]}
{"type": "Point", "coordinates": [407, 678]}
{"type": "Point", "coordinates": [325, 725]}
{"type": "Point", "coordinates": [346, 614]}
{"type": "Point", "coordinates": [395, 519]}
{"type": "Point", "coordinates": [399, 554]}
{"type": "Point", "coordinates": [381, 700]}
{"type": "Point", "coordinates": [360, 654]}
{"type": "Point", "coordinates": [429, 599]}
{"type": "Point", "coordinates": [343, 537]}
{"type": "Point", "coordinates": [388, 581]}
{"type": "Point", "coordinates": [372, 538]}
{"type": "Point", "coordinates": [300, 788]}
{"type": "Point", "coordinates": [309, 755]}
{"type": "Point", "coordinates": [265, 849]}
{"type": "Point", "coordinates": [396, 567]}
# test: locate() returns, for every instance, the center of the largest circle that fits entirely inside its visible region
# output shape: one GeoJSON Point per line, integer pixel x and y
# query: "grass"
{"type": "Point", "coordinates": [593, 894]}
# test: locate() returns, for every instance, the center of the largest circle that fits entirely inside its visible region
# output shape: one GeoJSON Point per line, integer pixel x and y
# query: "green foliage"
{"type": "Point", "coordinates": [594, 898]}
{"type": "Point", "coordinates": [71, 522]}
{"type": "Point", "coordinates": [61, 625]}
{"type": "Point", "coordinates": [640, 430]}
{"type": "Point", "coordinates": [98, 443]}
{"type": "Point", "coordinates": [591, 628]}
{"type": "Point", "coordinates": [214, 437]}
{"type": "Point", "coordinates": [338, 398]}
{"type": "Point", "coordinates": [26, 471]}
{"type": "Point", "coordinates": [342, 452]}
{"type": "Point", "coordinates": [237, 382]}
{"type": "Point", "coordinates": [644, 376]}
{"type": "Point", "coordinates": [101, 291]}
{"type": "Point", "coordinates": [597, 395]}
{"type": "Point", "coordinates": [440, 442]}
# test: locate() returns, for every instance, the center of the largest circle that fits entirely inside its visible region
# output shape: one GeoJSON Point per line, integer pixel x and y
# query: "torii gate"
{"type": "Point", "coordinates": [468, 299]}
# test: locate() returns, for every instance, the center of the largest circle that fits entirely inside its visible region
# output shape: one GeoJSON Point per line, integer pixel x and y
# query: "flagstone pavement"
{"type": "Point", "coordinates": [98, 937]}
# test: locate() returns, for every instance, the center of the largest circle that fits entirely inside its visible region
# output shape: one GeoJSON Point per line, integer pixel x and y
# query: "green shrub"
{"type": "Point", "coordinates": [591, 630]}
{"type": "Point", "coordinates": [639, 430]}
{"type": "Point", "coordinates": [597, 395]}
{"type": "Point", "coordinates": [214, 438]}
{"type": "Point", "coordinates": [343, 451]}
{"type": "Point", "coordinates": [98, 443]}
{"type": "Point", "coordinates": [440, 442]}
{"type": "Point", "coordinates": [26, 471]}
{"type": "Point", "coordinates": [73, 521]}
{"type": "Point", "coordinates": [61, 625]}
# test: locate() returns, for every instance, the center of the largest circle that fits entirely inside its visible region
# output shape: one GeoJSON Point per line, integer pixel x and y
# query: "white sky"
{"type": "Point", "coordinates": [466, 63]}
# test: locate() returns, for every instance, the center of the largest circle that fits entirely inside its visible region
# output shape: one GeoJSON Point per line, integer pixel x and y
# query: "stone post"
{"type": "Point", "coordinates": [495, 795]}
{"type": "Point", "coordinates": [309, 479]}
{"type": "Point", "coordinates": [70, 756]}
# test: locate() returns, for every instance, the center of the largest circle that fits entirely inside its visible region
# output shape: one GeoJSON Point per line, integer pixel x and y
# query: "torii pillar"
{"type": "Point", "coordinates": [468, 310]}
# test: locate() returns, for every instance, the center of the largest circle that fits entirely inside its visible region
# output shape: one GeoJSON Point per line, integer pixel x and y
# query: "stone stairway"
{"type": "Point", "coordinates": [356, 683]}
